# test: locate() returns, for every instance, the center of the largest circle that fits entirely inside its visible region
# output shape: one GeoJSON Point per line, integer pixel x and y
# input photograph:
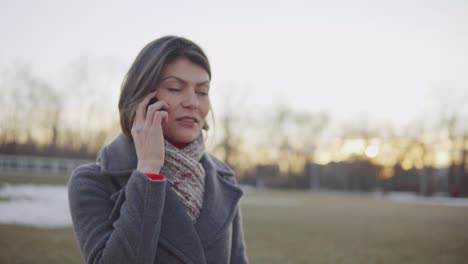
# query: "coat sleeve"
{"type": "Point", "coordinates": [133, 236]}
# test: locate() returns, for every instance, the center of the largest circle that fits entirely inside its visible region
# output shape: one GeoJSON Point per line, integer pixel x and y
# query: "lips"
{"type": "Point", "coordinates": [188, 119]}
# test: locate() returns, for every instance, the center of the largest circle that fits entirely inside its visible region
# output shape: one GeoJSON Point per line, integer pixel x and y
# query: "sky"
{"type": "Point", "coordinates": [390, 59]}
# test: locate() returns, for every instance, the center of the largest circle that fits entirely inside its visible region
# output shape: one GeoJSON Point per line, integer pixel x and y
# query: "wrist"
{"type": "Point", "coordinates": [149, 166]}
{"type": "Point", "coordinates": [148, 170]}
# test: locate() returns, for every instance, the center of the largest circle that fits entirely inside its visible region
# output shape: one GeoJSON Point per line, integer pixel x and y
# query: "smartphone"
{"type": "Point", "coordinates": [152, 101]}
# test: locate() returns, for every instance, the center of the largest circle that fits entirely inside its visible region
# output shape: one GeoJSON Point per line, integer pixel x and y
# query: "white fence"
{"type": "Point", "coordinates": [39, 164]}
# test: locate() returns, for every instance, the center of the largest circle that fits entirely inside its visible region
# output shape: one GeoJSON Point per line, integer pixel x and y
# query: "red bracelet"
{"type": "Point", "coordinates": [155, 177]}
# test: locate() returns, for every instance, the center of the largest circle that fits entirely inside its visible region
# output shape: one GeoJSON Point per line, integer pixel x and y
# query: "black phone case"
{"type": "Point", "coordinates": [152, 101]}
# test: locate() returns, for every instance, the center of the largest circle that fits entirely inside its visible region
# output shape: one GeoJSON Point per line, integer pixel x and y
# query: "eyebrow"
{"type": "Point", "coordinates": [183, 81]}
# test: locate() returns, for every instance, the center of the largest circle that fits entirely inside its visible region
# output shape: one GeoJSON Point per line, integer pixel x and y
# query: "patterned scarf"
{"type": "Point", "coordinates": [186, 175]}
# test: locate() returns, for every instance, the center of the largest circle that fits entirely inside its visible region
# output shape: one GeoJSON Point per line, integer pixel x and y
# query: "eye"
{"type": "Point", "coordinates": [202, 91]}
{"type": "Point", "coordinates": [173, 89]}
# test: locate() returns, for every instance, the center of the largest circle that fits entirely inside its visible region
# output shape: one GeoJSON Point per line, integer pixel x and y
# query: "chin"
{"type": "Point", "coordinates": [177, 134]}
{"type": "Point", "coordinates": [183, 138]}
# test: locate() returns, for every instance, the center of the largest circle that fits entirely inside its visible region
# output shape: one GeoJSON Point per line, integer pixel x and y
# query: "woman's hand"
{"type": "Point", "coordinates": [148, 135]}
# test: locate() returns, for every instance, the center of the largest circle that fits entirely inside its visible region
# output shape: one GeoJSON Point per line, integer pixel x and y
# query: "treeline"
{"type": "Point", "coordinates": [38, 117]}
{"type": "Point", "coordinates": [76, 117]}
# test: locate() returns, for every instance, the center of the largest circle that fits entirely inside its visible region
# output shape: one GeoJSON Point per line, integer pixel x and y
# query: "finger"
{"type": "Point", "coordinates": [136, 127]}
{"type": "Point", "coordinates": [159, 106]}
{"type": "Point", "coordinates": [136, 130]}
{"type": "Point", "coordinates": [159, 117]}
{"type": "Point", "coordinates": [141, 108]}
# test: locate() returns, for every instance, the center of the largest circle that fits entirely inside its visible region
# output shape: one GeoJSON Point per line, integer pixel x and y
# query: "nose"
{"type": "Point", "coordinates": [191, 100]}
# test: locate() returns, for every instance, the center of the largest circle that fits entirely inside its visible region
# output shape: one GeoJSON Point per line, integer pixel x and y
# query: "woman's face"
{"type": "Point", "coordinates": [184, 86]}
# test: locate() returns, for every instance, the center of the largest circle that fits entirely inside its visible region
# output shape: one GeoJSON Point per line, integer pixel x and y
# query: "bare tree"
{"type": "Point", "coordinates": [39, 117]}
{"type": "Point", "coordinates": [363, 128]}
{"type": "Point", "coordinates": [233, 121]}
{"type": "Point", "coordinates": [453, 108]}
{"type": "Point", "coordinates": [310, 127]}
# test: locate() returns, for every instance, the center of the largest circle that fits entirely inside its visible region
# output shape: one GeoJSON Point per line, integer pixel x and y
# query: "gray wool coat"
{"type": "Point", "coordinates": [121, 216]}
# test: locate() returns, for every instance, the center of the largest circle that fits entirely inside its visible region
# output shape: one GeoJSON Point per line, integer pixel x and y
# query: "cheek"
{"type": "Point", "coordinates": [205, 108]}
{"type": "Point", "coordinates": [167, 127]}
{"type": "Point", "coordinates": [172, 106]}
{"type": "Point", "coordinates": [164, 95]}
{"type": "Point", "coordinates": [170, 118]}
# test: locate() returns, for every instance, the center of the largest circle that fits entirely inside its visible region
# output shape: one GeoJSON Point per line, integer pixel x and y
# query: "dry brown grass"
{"type": "Point", "coordinates": [338, 228]}
{"type": "Point", "coordinates": [23, 244]}
{"type": "Point", "coordinates": [321, 228]}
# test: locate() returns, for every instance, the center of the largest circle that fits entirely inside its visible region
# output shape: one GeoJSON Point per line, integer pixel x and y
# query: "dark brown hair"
{"type": "Point", "coordinates": [143, 76]}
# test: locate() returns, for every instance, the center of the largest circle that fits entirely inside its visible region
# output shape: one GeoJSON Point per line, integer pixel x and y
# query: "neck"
{"type": "Point", "coordinates": [179, 145]}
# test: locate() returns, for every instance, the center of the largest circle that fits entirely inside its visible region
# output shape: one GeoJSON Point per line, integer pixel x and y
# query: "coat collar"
{"type": "Point", "coordinates": [119, 158]}
{"type": "Point", "coordinates": [178, 233]}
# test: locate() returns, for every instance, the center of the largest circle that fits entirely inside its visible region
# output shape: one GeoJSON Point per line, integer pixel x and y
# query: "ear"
{"type": "Point", "coordinates": [205, 125]}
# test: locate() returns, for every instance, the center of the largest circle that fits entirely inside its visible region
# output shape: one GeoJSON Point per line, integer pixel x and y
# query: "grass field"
{"type": "Point", "coordinates": [298, 227]}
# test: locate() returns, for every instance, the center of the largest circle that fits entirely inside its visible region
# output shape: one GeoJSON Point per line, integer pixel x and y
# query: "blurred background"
{"type": "Point", "coordinates": [346, 121]}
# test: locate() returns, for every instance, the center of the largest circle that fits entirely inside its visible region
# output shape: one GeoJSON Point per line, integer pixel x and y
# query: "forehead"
{"type": "Point", "coordinates": [184, 69]}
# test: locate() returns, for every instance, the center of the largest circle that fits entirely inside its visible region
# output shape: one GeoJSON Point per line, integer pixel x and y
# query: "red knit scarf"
{"type": "Point", "coordinates": [186, 175]}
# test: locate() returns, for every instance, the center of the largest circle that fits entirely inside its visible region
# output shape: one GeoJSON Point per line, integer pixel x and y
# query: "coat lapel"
{"type": "Point", "coordinates": [178, 233]}
{"type": "Point", "coordinates": [220, 202]}
{"type": "Point", "coordinates": [221, 198]}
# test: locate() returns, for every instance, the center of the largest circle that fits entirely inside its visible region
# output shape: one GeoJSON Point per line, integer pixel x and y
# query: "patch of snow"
{"type": "Point", "coordinates": [35, 205]}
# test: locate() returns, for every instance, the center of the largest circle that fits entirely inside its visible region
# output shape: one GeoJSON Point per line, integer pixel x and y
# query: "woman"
{"type": "Point", "coordinates": [154, 194]}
